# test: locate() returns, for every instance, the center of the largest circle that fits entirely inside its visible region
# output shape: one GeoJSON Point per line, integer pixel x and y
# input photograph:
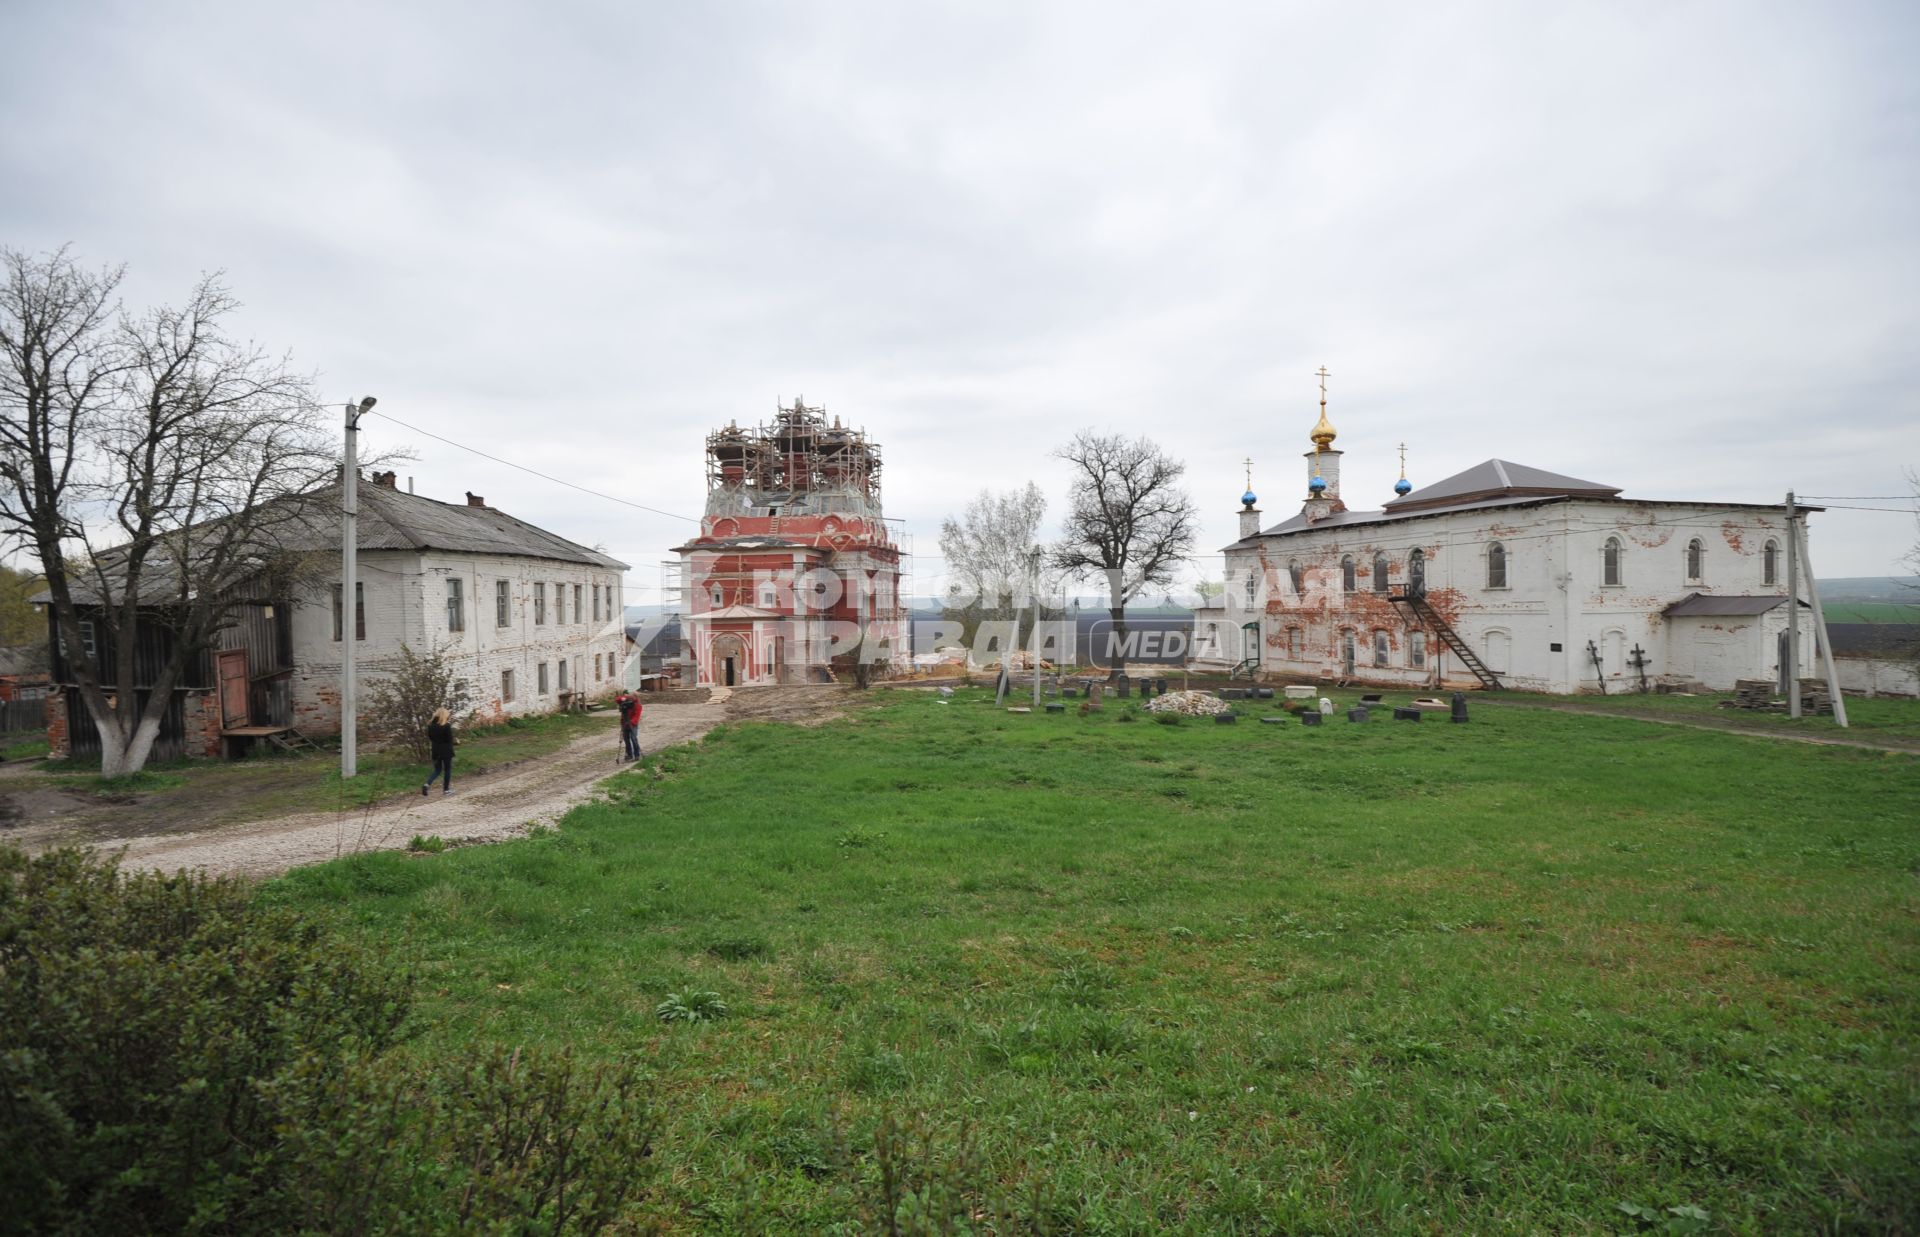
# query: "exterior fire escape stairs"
{"type": "Point", "coordinates": [1415, 601]}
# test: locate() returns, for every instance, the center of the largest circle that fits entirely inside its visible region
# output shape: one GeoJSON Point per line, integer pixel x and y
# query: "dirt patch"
{"type": "Point", "coordinates": [500, 804]}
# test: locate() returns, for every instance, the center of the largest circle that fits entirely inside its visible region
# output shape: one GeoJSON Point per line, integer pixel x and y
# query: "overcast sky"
{"type": "Point", "coordinates": [1669, 247]}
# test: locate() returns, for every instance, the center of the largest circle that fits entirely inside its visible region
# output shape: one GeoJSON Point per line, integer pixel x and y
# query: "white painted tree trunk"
{"type": "Point", "coordinates": [122, 753]}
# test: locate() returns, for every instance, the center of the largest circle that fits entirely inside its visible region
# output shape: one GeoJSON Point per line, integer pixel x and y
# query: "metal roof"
{"type": "Point", "coordinates": [1500, 477]}
{"type": "Point", "coordinates": [391, 519]}
{"type": "Point", "coordinates": [1699, 605]}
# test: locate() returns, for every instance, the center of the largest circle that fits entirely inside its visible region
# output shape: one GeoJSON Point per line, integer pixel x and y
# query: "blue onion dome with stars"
{"type": "Point", "coordinates": [1249, 498]}
{"type": "Point", "coordinates": [1403, 486]}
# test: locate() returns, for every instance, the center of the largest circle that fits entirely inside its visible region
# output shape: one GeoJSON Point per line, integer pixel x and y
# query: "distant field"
{"type": "Point", "coordinates": [1870, 612]}
{"type": "Point", "coordinates": [1539, 973]}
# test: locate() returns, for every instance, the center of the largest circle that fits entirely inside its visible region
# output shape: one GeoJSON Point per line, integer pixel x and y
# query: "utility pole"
{"type": "Point", "coordinates": [1820, 634]}
{"type": "Point", "coordinates": [1793, 610]}
{"type": "Point", "coordinates": [1033, 561]}
{"type": "Point", "coordinates": [349, 581]}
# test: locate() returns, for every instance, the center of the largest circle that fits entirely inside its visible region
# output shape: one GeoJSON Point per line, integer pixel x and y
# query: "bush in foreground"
{"type": "Point", "coordinates": [177, 1056]}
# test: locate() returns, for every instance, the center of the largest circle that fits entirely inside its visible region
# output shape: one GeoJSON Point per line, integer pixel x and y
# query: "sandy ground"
{"type": "Point", "coordinates": [487, 808]}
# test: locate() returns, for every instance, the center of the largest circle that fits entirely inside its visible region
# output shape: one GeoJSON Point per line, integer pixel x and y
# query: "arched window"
{"type": "Point", "coordinates": [1496, 565]}
{"type": "Point", "coordinates": [1253, 585]}
{"type": "Point", "coordinates": [1297, 577]}
{"type": "Point", "coordinates": [1610, 561]}
{"type": "Point", "coordinates": [1696, 553]}
{"type": "Point", "coordinates": [1296, 643]}
{"type": "Point", "coordinates": [1417, 571]}
{"type": "Point", "coordinates": [1380, 648]}
{"type": "Point", "coordinates": [1379, 573]}
{"type": "Point", "coordinates": [1770, 563]}
{"type": "Point", "coordinates": [1346, 572]}
{"type": "Point", "coordinates": [1417, 649]}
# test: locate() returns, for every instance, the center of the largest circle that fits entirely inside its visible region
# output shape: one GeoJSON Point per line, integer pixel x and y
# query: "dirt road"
{"type": "Point", "coordinates": [481, 809]}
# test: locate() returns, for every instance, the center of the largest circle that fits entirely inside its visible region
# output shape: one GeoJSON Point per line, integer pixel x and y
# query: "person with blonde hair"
{"type": "Point", "coordinates": [440, 739]}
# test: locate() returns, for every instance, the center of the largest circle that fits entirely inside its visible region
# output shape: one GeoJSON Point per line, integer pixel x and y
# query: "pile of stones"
{"type": "Point", "coordinates": [1192, 704]}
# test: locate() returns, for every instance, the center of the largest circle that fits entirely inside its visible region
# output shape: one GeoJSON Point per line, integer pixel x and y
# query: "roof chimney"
{"type": "Point", "coordinates": [474, 500]}
{"type": "Point", "coordinates": [386, 479]}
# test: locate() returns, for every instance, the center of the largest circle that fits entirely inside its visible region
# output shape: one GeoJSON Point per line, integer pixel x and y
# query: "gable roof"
{"type": "Point", "coordinates": [1499, 479]}
{"type": "Point", "coordinates": [392, 519]}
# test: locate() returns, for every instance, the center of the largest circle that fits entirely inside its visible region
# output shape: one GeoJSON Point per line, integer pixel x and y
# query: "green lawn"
{"type": "Point", "coordinates": [272, 783]}
{"type": "Point", "coordinates": [1501, 977]}
{"type": "Point", "coordinates": [1871, 611]}
{"type": "Point", "coordinates": [1878, 720]}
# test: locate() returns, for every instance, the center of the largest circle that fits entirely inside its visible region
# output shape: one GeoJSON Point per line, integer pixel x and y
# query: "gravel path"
{"type": "Point", "coordinates": [481, 809]}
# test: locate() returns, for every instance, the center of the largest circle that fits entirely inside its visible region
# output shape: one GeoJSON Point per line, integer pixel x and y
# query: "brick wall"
{"type": "Point", "coordinates": [58, 744]}
{"type": "Point", "coordinates": [200, 717]}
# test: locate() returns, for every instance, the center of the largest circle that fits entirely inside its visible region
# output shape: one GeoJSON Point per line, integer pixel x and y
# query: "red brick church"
{"type": "Point", "coordinates": [793, 577]}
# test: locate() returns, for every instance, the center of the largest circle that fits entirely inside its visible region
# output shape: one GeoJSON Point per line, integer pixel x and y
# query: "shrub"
{"type": "Point", "coordinates": [398, 707]}
{"type": "Point", "coordinates": [691, 1007]}
{"type": "Point", "coordinates": [178, 1055]}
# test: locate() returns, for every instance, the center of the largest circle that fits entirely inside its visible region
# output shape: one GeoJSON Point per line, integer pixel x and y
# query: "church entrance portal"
{"type": "Point", "coordinates": [729, 660]}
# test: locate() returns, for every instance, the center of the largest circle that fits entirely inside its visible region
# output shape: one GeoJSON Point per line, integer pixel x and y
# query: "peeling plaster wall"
{"type": "Point", "coordinates": [406, 603]}
{"type": "Point", "coordinates": [1555, 594]}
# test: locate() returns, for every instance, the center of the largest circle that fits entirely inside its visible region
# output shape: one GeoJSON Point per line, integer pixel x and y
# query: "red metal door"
{"type": "Point", "coordinates": [233, 688]}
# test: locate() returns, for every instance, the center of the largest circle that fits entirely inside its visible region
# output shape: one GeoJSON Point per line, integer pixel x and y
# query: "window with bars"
{"type": "Point", "coordinates": [1380, 573]}
{"type": "Point", "coordinates": [506, 687]}
{"type": "Point", "coordinates": [1610, 562]}
{"type": "Point", "coordinates": [502, 603]}
{"type": "Point", "coordinates": [579, 615]}
{"type": "Point", "coordinates": [539, 605]}
{"type": "Point", "coordinates": [1347, 572]}
{"type": "Point", "coordinates": [1496, 565]}
{"type": "Point", "coordinates": [456, 604]}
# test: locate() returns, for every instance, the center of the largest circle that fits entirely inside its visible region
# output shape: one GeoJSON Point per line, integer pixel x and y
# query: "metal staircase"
{"type": "Point", "coordinates": [1248, 666]}
{"type": "Point", "coordinates": [1429, 618]}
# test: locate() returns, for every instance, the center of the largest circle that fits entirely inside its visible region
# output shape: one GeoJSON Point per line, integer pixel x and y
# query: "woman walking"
{"type": "Point", "coordinates": [440, 739]}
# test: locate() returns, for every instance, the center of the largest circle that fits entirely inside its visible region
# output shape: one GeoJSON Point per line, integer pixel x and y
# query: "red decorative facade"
{"type": "Point", "coordinates": [794, 577]}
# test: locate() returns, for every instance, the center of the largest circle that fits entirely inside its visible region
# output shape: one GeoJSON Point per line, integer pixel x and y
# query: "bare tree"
{"type": "Point", "coordinates": [151, 462]}
{"type": "Point", "coordinates": [1128, 520]}
{"type": "Point", "coordinates": [991, 552]}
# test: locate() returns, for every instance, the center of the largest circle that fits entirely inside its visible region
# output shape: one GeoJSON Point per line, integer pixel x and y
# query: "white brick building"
{"type": "Point", "coordinates": [1502, 572]}
{"type": "Point", "coordinates": [526, 616]}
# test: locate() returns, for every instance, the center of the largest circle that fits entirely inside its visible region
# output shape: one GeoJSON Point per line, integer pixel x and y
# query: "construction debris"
{"type": "Point", "coordinates": [1191, 704]}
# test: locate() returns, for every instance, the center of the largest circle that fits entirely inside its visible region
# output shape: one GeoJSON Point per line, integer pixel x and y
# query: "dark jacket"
{"type": "Point", "coordinates": [441, 739]}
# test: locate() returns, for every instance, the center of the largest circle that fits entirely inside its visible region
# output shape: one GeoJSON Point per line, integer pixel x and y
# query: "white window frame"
{"type": "Point", "coordinates": [1496, 551]}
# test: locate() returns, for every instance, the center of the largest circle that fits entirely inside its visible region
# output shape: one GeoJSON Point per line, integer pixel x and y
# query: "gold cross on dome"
{"type": "Point", "coordinates": [1324, 375]}
{"type": "Point", "coordinates": [1249, 463]}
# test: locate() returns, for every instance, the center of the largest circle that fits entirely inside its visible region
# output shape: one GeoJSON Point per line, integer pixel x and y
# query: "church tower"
{"type": "Point", "coordinates": [1323, 465]}
{"type": "Point", "coordinates": [1249, 514]}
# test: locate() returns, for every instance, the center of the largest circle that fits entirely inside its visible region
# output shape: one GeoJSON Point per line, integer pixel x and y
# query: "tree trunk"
{"type": "Point", "coordinates": [122, 753]}
{"type": "Point", "coordinates": [1117, 610]}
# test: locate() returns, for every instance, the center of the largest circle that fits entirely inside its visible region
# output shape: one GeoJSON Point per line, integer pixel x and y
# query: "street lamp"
{"type": "Point", "coordinates": [349, 581]}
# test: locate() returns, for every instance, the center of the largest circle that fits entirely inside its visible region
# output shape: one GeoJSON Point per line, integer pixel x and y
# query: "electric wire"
{"type": "Point", "coordinates": [625, 502]}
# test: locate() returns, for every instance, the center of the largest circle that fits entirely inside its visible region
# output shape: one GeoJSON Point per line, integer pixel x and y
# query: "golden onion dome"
{"type": "Point", "coordinates": [1323, 433]}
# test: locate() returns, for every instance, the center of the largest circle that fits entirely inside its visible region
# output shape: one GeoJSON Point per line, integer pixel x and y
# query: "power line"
{"type": "Point", "coordinates": [534, 471]}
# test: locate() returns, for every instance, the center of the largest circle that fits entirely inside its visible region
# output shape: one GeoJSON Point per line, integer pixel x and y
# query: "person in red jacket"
{"type": "Point", "coordinates": [629, 705]}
